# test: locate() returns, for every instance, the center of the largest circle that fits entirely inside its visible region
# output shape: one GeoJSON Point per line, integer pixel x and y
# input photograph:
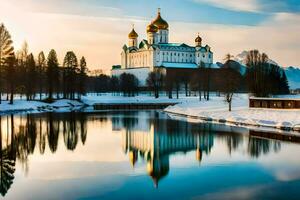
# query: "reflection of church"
{"type": "Point", "coordinates": [156, 146]}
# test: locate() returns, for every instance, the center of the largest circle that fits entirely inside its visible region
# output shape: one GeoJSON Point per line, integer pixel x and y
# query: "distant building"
{"type": "Point", "coordinates": [140, 58]}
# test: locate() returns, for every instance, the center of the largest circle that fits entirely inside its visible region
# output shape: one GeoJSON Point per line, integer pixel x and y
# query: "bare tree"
{"type": "Point", "coordinates": [230, 84]}
{"type": "Point", "coordinates": [155, 82]}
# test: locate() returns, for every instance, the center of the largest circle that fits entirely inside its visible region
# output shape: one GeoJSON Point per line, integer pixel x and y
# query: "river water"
{"type": "Point", "coordinates": [140, 155]}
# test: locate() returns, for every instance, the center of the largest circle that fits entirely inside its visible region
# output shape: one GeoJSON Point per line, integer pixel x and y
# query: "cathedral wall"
{"type": "Point", "coordinates": [174, 56]}
{"type": "Point", "coordinates": [139, 59]}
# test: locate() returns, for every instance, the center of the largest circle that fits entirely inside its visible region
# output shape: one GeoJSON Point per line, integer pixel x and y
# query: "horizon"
{"type": "Point", "coordinates": [99, 29]}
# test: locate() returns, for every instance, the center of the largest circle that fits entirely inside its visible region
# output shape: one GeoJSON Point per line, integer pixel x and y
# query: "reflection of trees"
{"type": "Point", "coordinates": [83, 127]}
{"type": "Point", "coordinates": [26, 140]}
{"type": "Point", "coordinates": [52, 132]}
{"type": "Point", "coordinates": [70, 131]}
{"type": "Point", "coordinates": [7, 161]}
{"type": "Point", "coordinates": [259, 146]}
{"type": "Point", "coordinates": [130, 122]}
{"type": "Point", "coordinates": [18, 142]}
{"type": "Point", "coordinates": [42, 137]}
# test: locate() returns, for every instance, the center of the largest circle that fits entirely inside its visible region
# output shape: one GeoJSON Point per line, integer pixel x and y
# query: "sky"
{"type": "Point", "coordinates": [97, 29]}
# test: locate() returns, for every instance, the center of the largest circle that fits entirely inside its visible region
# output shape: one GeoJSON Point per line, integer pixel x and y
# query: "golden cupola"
{"type": "Point", "coordinates": [133, 34]}
{"type": "Point", "coordinates": [160, 23]}
{"type": "Point", "coordinates": [198, 39]}
{"type": "Point", "coordinates": [151, 28]}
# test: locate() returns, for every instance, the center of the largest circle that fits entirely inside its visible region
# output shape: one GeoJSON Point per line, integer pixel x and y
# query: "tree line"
{"type": "Point", "coordinates": [21, 73]}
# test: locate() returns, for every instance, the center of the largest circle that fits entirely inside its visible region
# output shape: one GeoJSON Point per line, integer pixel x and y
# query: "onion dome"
{"type": "Point", "coordinates": [198, 39]}
{"type": "Point", "coordinates": [160, 23]}
{"type": "Point", "coordinates": [132, 34]}
{"type": "Point", "coordinates": [151, 28]}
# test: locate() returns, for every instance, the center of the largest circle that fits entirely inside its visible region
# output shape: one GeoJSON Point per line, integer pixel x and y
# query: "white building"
{"type": "Point", "coordinates": [156, 52]}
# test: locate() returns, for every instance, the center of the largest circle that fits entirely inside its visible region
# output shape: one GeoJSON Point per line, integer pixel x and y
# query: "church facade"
{"type": "Point", "coordinates": [141, 57]}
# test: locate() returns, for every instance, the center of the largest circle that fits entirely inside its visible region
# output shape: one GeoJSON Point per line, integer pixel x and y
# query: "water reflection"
{"type": "Point", "coordinates": [152, 137]}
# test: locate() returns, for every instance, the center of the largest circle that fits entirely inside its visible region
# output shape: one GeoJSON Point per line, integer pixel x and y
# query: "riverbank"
{"type": "Point", "coordinates": [214, 110]}
{"type": "Point", "coordinates": [19, 105]}
{"type": "Point", "coordinates": [65, 105]}
{"type": "Point", "coordinates": [241, 115]}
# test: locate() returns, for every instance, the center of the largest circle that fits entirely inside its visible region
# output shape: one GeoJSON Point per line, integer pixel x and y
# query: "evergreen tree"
{"type": "Point", "coordinates": [11, 77]}
{"type": "Point", "coordinates": [6, 52]}
{"type": "Point", "coordinates": [41, 71]}
{"type": "Point", "coordinates": [82, 76]}
{"type": "Point", "coordinates": [70, 72]}
{"type": "Point", "coordinates": [31, 77]}
{"type": "Point", "coordinates": [52, 68]}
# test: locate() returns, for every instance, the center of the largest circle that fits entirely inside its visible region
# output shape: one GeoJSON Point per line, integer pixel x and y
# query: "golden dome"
{"type": "Point", "coordinates": [160, 23]}
{"type": "Point", "coordinates": [133, 34]}
{"type": "Point", "coordinates": [198, 39]}
{"type": "Point", "coordinates": [151, 28]}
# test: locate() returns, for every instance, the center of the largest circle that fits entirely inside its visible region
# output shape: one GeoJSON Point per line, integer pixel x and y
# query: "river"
{"type": "Point", "coordinates": [140, 155]}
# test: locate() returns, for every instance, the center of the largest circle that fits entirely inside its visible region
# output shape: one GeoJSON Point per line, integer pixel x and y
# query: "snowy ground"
{"type": "Point", "coordinates": [21, 105]}
{"type": "Point", "coordinates": [38, 106]}
{"type": "Point", "coordinates": [214, 110]}
{"type": "Point", "coordinates": [241, 114]}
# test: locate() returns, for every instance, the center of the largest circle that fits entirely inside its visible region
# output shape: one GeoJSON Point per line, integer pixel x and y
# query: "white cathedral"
{"type": "Point", "coordinates": [156, 52]}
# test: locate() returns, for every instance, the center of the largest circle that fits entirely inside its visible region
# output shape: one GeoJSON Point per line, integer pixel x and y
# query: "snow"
{"type": "Point", "coordinates": [142, 98]}
{"type": "Point", "coordinates": [241, 115]}
{"type": "Point", "coordinates": [64, 105]}
{"type": "Point", "coordinates": [215, 110]}
{"type": "Point", "coordinates": [38, 106]}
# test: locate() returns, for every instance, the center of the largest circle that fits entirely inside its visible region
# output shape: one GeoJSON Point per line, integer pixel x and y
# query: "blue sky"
{"type": "Point", "coordinates": [98, 29]}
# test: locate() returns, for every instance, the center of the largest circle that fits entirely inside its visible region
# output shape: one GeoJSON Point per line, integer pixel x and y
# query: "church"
{"type": "Point", "coordinates": [140, 58]}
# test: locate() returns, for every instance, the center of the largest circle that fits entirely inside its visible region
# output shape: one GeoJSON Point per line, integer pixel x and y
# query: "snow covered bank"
{"type": "Point", "coordinates": [217, 110]}
{"type": "Point", "coordinates": [143, 98]}
{"type": "Point", "coordinates": [65, 105]}
{"type": "Point", "coordinates": [38, 106]}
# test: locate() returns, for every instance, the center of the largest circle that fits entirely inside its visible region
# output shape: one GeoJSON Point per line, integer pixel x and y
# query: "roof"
{"type": "Point", "coordinates": [174, 45]}
{"type": "Point", "coordinates": [288, 98]}
{"type": "Point", "coordinates": [180, 65]}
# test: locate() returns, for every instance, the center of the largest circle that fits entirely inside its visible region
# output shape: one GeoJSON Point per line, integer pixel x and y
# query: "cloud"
{"type": "Point", "coordinates": [236, 5]}
{"type": "Point", "coordinates": [100, 37]}
{"type": "Point", "coordinates": [278, 37]}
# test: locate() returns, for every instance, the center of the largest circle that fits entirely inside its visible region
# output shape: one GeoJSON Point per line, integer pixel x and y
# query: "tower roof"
{"type": "Point", "coordinates": [151, 28]}
{"type": "Point", "coordinates": [198, 39]}
{"type": "Point", "coordinates": [132, 34]}
{"type": "Point", "coordinates": [159, 22]}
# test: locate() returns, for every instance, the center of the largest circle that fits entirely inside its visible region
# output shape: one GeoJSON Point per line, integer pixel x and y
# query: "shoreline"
{"type": "Point", "coordinates": [236, 123]}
